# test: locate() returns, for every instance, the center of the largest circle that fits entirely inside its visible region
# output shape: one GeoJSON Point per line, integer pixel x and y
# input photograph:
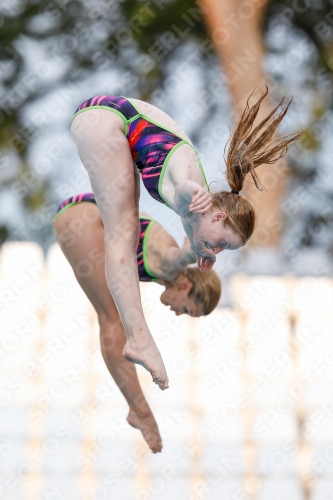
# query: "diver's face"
{"type": "Point", "coordinates": [177, 298]}
{"type": "Point", "coordinates": [211, 233]}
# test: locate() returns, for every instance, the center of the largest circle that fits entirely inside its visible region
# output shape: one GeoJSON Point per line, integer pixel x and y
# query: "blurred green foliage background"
{"type": "Point", "coordinates": [83, 38]}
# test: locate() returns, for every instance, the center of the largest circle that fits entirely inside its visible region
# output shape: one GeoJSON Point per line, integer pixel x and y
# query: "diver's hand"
{"type": "Point", "coordinates": [204, 263]}
{"type": "Point", "coordinates": [205, 258]}
{"type": "Point", "coordinates": [201, 200]}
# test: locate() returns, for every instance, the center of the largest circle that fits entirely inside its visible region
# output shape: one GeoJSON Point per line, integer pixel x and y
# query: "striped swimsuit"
{"type": "Point", "coordinates": [151, 144]}
{"type": "Point", "coordinates": [145, 225]}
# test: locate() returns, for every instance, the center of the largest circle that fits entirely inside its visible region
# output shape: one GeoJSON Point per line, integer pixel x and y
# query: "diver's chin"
{"type": "Point", "coordinates": [198, 243]}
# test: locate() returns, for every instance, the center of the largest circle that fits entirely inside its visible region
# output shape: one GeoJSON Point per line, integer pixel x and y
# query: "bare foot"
{"type": "Point", "coordinates": [146, 423]}
{"type": "Point", "coordinates": [150, 358]}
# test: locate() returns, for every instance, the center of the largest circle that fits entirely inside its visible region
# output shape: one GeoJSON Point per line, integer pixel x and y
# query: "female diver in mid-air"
{"type": "Point", "coordinates": [79, 230]}
{"type": "Point", "coordinates": [117, 138]}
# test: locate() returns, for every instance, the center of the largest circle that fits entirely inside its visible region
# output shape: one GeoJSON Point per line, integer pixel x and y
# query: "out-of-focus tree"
{"type": "Point", "coordinates": [78, 38]}
{"type": "Point", "coordinates": [141, 39]}
{"type": "Point", "coordinates": [311, 192]}
{"type": "Point", "coordinates": [236, 29]}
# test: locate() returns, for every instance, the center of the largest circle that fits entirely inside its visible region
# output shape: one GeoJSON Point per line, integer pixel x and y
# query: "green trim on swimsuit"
{"type": "Point", "coordinates": [145, 250]}
{"type": "Point", "coordinates": [127, 122]}
{"type": "Point", "coordinates": [183, 141]}
{"type": "Point", "coordinates": [133, 117]}
{"type": "Point", "coordinates": [66, 208]}
{"type": "Point", "coordinates": [202, 171]}
{"type": "Point", "coordinates": [130, 100]}
{"type": "Point", "coordinates": [166, 161]}
{"type": "Point", "coordinates": [160, 126]}
{"type": "Point", "coordinates": [165, 164]}
{"type": "Point", "coordinates": [102, 107]}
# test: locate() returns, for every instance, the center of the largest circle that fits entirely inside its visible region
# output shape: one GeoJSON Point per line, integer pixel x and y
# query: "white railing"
{"type": "Point", "coordinates": [249, 412]}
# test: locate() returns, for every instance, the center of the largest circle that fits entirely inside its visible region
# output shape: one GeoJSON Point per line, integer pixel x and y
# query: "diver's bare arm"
{"type": "Point", "coordinates": [175, 259]}
{"type": "Point", "coordinates": [191, 197]}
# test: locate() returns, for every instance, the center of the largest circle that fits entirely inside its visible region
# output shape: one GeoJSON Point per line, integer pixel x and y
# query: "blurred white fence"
{"type": "Point", "coordinates": [249, 412]}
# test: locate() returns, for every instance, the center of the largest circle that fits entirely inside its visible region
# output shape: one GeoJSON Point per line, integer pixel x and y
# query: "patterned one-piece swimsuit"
{"type": "Point", "coordinates": [151, 144]}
